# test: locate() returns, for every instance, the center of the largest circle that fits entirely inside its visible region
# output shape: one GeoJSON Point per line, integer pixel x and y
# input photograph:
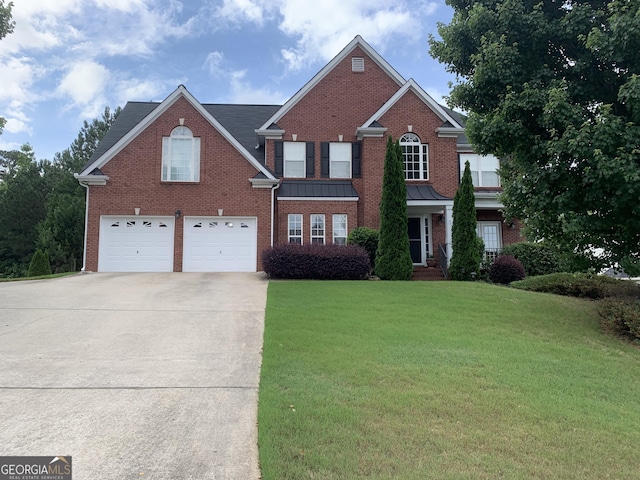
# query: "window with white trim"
{"type": "Point", "coordinates": [294, 159]}
{"type": "Point", "coordinates": [317, 229]}
{"type": "Point", "coordinates": [340, 160]}
{"type": "Point", "coordinates": [415, 157]}
{"type": "Point", "coordinates": [295, 228]}
{"type": "Point", "coordinates": [340, 229]}
{"type": "Point", "coordinates": [181, 156]}
{"type": "Point", "coordinates": [484, 169]}
{"type": "Point", "coordinates": [491, 235]}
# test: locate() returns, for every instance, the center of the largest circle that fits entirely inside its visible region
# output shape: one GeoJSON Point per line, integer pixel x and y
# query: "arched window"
{"type": "Point", "coordinates": [415, 157]}
{"type": "Point", "coordinates": [181, 156]}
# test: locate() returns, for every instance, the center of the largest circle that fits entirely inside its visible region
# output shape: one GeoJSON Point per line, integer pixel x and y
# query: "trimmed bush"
{"type": "Point", "coordinates": [621, 317]}
{"type": "Point", "coordinates": [506, 269]}
{"type": "Point", "coordinates": [536, 258]}
{"type": "Point", "coordinates": [581, 285]}
{"type": "Point", "coordinates": [39, 264]}
{"type": "Point", "coordinates": [317, 262]}
{"type": "Point", "coordinates": [367, 238]}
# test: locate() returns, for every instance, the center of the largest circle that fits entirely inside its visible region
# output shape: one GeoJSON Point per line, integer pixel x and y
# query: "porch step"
{"type": "Point", "coordinates": [427, 273]}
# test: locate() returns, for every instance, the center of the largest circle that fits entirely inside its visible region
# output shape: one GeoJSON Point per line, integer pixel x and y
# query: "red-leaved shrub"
{"type": "Point", "coordinates": [506, 269]}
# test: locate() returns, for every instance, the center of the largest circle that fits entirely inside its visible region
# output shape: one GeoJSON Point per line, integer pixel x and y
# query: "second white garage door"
{"type": "Point", "coordinates": [220, 244]}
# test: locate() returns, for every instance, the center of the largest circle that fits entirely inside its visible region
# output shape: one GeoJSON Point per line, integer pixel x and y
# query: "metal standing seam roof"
{"type": "Point", "coordinates": [239, 120]}
{"type": "Point", "coordinates": [317, 189]}
{"type": "Point", "coordinates": [424, 192]}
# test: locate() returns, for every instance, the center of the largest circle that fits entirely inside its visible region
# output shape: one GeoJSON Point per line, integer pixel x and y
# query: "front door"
{"type": "Point", "coordinates": [415, 239]}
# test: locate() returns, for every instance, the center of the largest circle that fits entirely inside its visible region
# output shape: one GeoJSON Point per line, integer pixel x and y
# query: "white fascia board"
{"type": "Point", "coordinates": [412, 85]}
{"type": "Point", "coordinates": [263, 182]}
{"type": "Point", "coordinates": [358, 41]}
{"type": "Point", "coordinates": [320, 199]}
{"type": "Point", "coordinates": [465, 148]}
{"type": "Point", "coordinates": [378, 132]}
{"type": "Point", "coordinates": [179, 92]}
{"type": "Point", "coordinates": [269, 133]}
{"type": "Point", "coordinates": [488, 201]}
{"type": "Point", "coordinates": [429, 203]}
{"type": "Point", "coordinates": [449, 131]}
{"type": "Point", "coordinates": [91, 179]}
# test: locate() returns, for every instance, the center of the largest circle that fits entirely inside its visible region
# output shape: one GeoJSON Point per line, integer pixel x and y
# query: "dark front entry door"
{"type": "Point", "coordinates": [415, 239]}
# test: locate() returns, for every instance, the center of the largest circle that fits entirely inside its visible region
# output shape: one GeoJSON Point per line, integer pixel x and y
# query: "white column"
{"type": "Point", "coordinates": [448, 223]}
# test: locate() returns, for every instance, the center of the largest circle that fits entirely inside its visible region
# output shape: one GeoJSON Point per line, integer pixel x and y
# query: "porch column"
{"type": "Point", "coordinates": [448, 223]}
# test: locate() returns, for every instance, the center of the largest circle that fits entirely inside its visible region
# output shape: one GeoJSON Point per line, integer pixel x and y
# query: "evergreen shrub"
{"type": "Point", "coordinates": [536, 258]}
{"type": "Point", "coordinates": [367, 238]}
{"type": "Point", "coordinates": [621, 317]}
{"type": "Point", "coordinates": [317, 262]}
{"type": "Point", "coordinates": [583, 285]}
{"type": "Point", "coordinates": [39, 264]}
{"type": "Point", "coordinates": [506, 269]}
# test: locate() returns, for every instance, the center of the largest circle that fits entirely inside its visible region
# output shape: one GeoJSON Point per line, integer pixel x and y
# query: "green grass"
{"type": "Point", "coordinates": [443, 380]}
{"type": "Point", "coordinates": [41, 277]}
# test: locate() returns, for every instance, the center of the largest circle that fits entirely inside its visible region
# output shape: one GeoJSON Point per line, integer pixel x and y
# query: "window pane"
{"type": "Point", "coordinates": [317, 229]}
{"type": "Point", "coordinates": [295, 228]}
{"type": "Point", "coordinates": [490, 179]}
{"type": "Point", "coordinates": [340, 158]}
{"type": "Point", "coordinates": [340, 229]}
{"type": "Point", "coordinates": [294, 159]}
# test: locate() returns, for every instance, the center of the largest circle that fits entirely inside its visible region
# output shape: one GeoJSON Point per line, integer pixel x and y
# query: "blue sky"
{"type": "Point", "coordinates": [69, 59]}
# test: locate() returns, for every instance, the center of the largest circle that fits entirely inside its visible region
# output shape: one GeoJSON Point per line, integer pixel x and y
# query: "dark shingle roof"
{"type": "Point", "coordinates": [424, 192]}
{"type": "Point", "coordinates": [317, 188]}
{"type": "Point", "coordinates": [239, 120]}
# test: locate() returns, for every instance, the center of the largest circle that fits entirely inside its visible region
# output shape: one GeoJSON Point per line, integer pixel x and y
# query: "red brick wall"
{"type": "Point", "coordinates": [306, 209]}
{"type": "Point", "coordinates": [135, 181]}
{"type": "Point", "coordinates": [510, 233]}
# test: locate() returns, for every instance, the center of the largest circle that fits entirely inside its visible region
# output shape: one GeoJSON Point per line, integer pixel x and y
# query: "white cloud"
{"type": "Point", "coordinates": [236, 11]}
{"type": "Point", "coordinates": [214, 63]}
{"type": "Point", "coordinates": [243, 92]}
{"type": "Point", "coordinates": [84, 85]}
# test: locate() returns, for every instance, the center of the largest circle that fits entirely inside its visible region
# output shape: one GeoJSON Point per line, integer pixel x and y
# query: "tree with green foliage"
{"type": "Point", "coordinates": [61, 233]}
{"type": "Point", "coordinates": [39, 264]}
{"type": "Point", "coordinates": [553, 89]}
{"type": "Point", "coordinates": [465, 259]}
{"type": "Point", "coordinates": [393, 259]}
{"type": "Point", "coordinates": [368, 239]}
{"type": "Point", "coordinates": [6, 27]}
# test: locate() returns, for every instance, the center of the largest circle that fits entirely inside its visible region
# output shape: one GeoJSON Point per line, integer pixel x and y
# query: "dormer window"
{"type": "Point", "coordinates": [415, 157]}
{"type": "Point", "coordinates": [181, 156]}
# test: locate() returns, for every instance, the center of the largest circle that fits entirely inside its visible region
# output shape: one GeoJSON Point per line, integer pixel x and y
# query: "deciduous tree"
{"type": "Point", "coordinates": [553, 89]}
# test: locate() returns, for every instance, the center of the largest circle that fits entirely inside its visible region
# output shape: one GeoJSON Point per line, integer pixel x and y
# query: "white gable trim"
{"type": "Point", "coordinates": [180, 92]}
{"type": "Point", "coordinates": [358, 41]}
{"type": "Point", "coordinates": [422, 95]}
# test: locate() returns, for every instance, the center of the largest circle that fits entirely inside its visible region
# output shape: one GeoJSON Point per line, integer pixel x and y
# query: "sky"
{"type": "Point", "coordinates": [69, 59]}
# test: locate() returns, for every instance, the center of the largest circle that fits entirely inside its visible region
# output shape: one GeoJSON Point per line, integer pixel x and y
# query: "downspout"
{"type": "Point", "coordinates": [86, 226]}
{"type": "Point", "coordinates": [273, 206]}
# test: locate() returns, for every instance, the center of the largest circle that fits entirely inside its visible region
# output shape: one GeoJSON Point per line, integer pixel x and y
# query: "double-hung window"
{"type": "Point", "coordinates": [295, 228]}
{"type": "Point", "coordinates": [415, 157]}
{"type": "Point", "coordinates": [181, 156]}
{"type": "Point", "coordinates": [317, 229]}
{"type": "Point", "coordinates": [294, 159]}
{"type": "Point", "coordinates": [484, 169]}
{"type": "Point", "coordinates": [340, 229]}
{"type": "Point", "coordinates": [340, 160]}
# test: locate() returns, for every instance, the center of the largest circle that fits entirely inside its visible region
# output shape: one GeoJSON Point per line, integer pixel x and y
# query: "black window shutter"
{"type": "Point", "coordinates": [324, 159]}
{"type": "Point", "coordinates": [279, 156]}
{"type": "Point", "coordinates": [311, 159]}
{"type": "Point", "coordinates": [356, 159]}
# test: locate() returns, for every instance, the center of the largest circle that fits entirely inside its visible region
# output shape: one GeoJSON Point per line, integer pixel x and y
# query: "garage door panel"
{"type": "Point", "coordinates": [220, 244]}
{"type": "Point", "coordinates": [136, 244]}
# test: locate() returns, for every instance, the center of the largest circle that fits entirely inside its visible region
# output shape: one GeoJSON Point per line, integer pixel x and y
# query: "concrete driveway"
{"type": "Point", "coordinates": [146, 376]}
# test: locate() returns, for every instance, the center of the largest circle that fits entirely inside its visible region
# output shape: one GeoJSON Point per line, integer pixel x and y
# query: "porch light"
{"type": "Point", "coordinates": [178, 213]}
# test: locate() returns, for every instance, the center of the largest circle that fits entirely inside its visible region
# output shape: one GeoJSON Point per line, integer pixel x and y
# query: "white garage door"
{"type": "Point", "coordinates": [220, 244]}
{"type": "Point", "coordinates": [136, 244]}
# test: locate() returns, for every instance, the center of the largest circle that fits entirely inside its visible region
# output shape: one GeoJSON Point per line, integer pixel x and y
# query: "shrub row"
{"type": "Point", "coordinates": [368, 239]}
{"type": "Point", "coordinates": [536, 258]}
{"type": "Point", "coordinates": [621, 317]}
{"type": "Point", "coordinates": [318, 262]}
{"type": "Point", "coordinates": [579, 285]}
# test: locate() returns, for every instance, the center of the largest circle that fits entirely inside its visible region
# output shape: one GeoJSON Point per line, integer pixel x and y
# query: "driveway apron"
{"type": "Point", "coordinates": [139, 375]}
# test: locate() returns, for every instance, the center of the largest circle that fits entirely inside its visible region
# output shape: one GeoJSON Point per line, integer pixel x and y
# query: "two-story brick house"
{"type": "Point", "coordinates": [184, 186]}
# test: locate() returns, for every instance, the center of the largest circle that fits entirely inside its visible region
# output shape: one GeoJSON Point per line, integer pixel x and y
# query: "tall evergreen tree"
{"type": "Point", "coordinates": [393, 260]}
{"type": "Point", "coordinates": [465, 259]}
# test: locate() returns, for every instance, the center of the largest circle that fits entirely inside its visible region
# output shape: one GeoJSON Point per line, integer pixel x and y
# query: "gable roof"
{"type": "Point", "coordinates": [137, 116]}
{"type": "Point", "coordinates": [451, 121]}
{"type": "Point", "coordinates": [358, 41]}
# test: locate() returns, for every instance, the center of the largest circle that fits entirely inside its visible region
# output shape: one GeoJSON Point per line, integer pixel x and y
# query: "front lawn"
{"type": "Point", "coordinates": [443, 380]}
